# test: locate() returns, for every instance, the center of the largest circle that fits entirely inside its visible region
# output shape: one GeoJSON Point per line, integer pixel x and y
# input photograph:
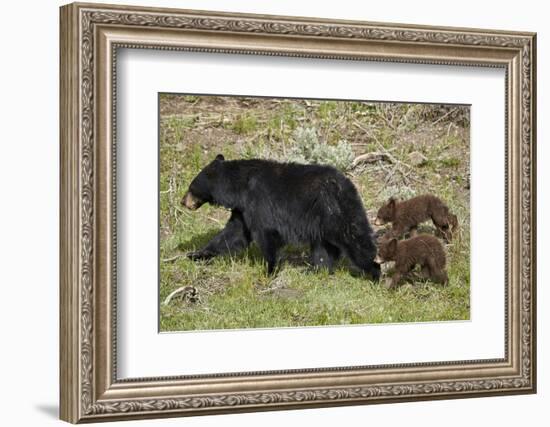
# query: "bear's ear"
{"type": "Point", "coordinates": [391, 205]}
{"type": "Point", "coordinates": [220, 158]}
{"type": "Point", "coordinates": [392, 246]}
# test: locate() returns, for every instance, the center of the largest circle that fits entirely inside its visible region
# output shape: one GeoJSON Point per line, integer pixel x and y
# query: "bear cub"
{"type": "Point", "coordinates": [423, 250]}
{"type": "Point", "coordinates": [405, 216]}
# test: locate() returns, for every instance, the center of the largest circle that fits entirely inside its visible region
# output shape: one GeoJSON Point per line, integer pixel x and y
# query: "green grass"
{"type": "Point", "coordinates": [234, 291]}
{"type": "Point", "coordinates": [238, 295]}
{"type": "Point", "coordinates": [244, 124]}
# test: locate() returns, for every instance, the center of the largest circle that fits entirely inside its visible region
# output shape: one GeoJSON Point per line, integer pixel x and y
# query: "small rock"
{"type": "Point", "coordinates": [417, 158]}
{"type": "Point", "coordinates": [287, 293]}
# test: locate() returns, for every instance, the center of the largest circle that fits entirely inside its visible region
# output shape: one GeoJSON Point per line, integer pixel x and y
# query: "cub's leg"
{"type": "Point", "coordinates": [438, 275]}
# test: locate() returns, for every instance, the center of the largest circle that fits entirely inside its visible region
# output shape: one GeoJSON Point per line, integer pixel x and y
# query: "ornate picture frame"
{"type": "Point", "coordinates": [90, 37]}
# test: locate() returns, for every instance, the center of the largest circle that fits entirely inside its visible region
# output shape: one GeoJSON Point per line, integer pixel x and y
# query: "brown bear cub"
{"type": "Point", "coordinates": [405, 216]}
{"type": "Point", "coordinates": [423, 250]}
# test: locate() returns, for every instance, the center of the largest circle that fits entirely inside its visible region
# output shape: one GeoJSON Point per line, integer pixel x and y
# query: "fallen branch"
{"type": "Point", "coordinates": [371, 158]}
{"type": "Point", "coordinates": [275, 284]}
{"type": "Point", "coordinates": [190, 293]}
{"type": "Point", "coordinates": [172, 259]}
{"type": "Point", "coordinates": [445, 116]}
{"type": "Point", "coordinates": [217, 221]}
{"type": "Point", "coordinates": [383, 149]}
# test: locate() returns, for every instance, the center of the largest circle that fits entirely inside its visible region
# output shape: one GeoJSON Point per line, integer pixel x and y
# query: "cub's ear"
{"type": "Point", "coordinates": [220, 157]}
{"type": "Point", "coordinates": [391, 206]}
{"type": "Point", "coordinates": [392, 245]}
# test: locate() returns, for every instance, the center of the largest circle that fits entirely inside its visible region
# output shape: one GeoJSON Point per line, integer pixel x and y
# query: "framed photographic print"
{"type": "Point", "coordinates": [265, 212]}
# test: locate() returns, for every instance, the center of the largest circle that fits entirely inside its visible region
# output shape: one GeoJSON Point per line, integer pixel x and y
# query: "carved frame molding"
{"type": "Point", "coordinates": [90, 36]}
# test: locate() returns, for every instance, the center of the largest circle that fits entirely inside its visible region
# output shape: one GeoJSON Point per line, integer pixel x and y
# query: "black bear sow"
{"type": "Point", "coordinates": [274, 204]}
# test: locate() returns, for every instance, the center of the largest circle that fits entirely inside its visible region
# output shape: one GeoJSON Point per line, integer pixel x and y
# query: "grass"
{"type": "Point", "coordinates": [244, 124]}
{"type": "Point", "coordinates": [234, 291]}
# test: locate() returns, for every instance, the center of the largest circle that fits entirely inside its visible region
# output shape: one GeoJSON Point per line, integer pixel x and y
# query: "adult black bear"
{"type": "Point", "coordinates": [274, 204]}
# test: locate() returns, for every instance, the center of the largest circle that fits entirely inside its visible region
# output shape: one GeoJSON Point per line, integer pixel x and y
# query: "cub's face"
{"type": "Point", "coordinates": [386, 213]}
{"type": "Point", "coordinates": [387, 251]}
{"type": "Point", "coordinates": [447, 231]}
{"type": "Point", "coordinates": [200, 189]}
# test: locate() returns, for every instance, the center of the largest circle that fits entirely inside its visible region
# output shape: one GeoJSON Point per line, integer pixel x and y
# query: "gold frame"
{"type": "Point", "coordinates": [90, 36]}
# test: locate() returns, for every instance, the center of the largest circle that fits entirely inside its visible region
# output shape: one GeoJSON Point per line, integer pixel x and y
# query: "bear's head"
{"type": "Point", "coordinates": [387, 250]}
{"type": "Point", "coordinates": [203, 187]}
{"type": "Point", "coordinates": [448, 230]}
{"type": "Point", "coordinates": [386, 213]}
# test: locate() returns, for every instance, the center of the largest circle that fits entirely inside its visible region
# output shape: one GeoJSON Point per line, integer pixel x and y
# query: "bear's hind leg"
{"type": "Point", "coordinates": [324, 254]}
{"type": "Point", "coordinates": [269, 242]}
{"type": "Point", "coordinates": [425, 272]}
{"type": "Point", "coordinates": [437, 274]}
{"type": "Point", "coordinates": [441, 277]}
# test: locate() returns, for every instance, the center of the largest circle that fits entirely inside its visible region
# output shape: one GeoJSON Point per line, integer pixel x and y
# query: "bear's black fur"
{"type": "Point", "coordinates": [274, 204]}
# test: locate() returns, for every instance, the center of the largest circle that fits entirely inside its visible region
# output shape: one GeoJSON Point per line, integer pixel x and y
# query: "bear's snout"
{"type": "Point", "coordinates": [190, 201]}
{"type": "Point", "coordinates": [378, 259]}
{"type": "Point", "coordinates": [379, 221]}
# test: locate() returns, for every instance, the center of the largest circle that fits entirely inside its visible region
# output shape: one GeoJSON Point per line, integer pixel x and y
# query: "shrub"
{"type": "Point", "coordinates": [401, 192]}
{"type": "Point", "coordinates": [308, 149]}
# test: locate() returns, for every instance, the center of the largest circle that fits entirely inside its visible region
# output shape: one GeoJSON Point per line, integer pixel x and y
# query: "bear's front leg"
{"type": "Point", "coordinates": [202, 254]}
{"type": "Point", "coordinates": [397, 230]}
{"type": "Point", "coordinates": [232, 239]}
{"type": "Point", "coordinates": [394, 282]}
